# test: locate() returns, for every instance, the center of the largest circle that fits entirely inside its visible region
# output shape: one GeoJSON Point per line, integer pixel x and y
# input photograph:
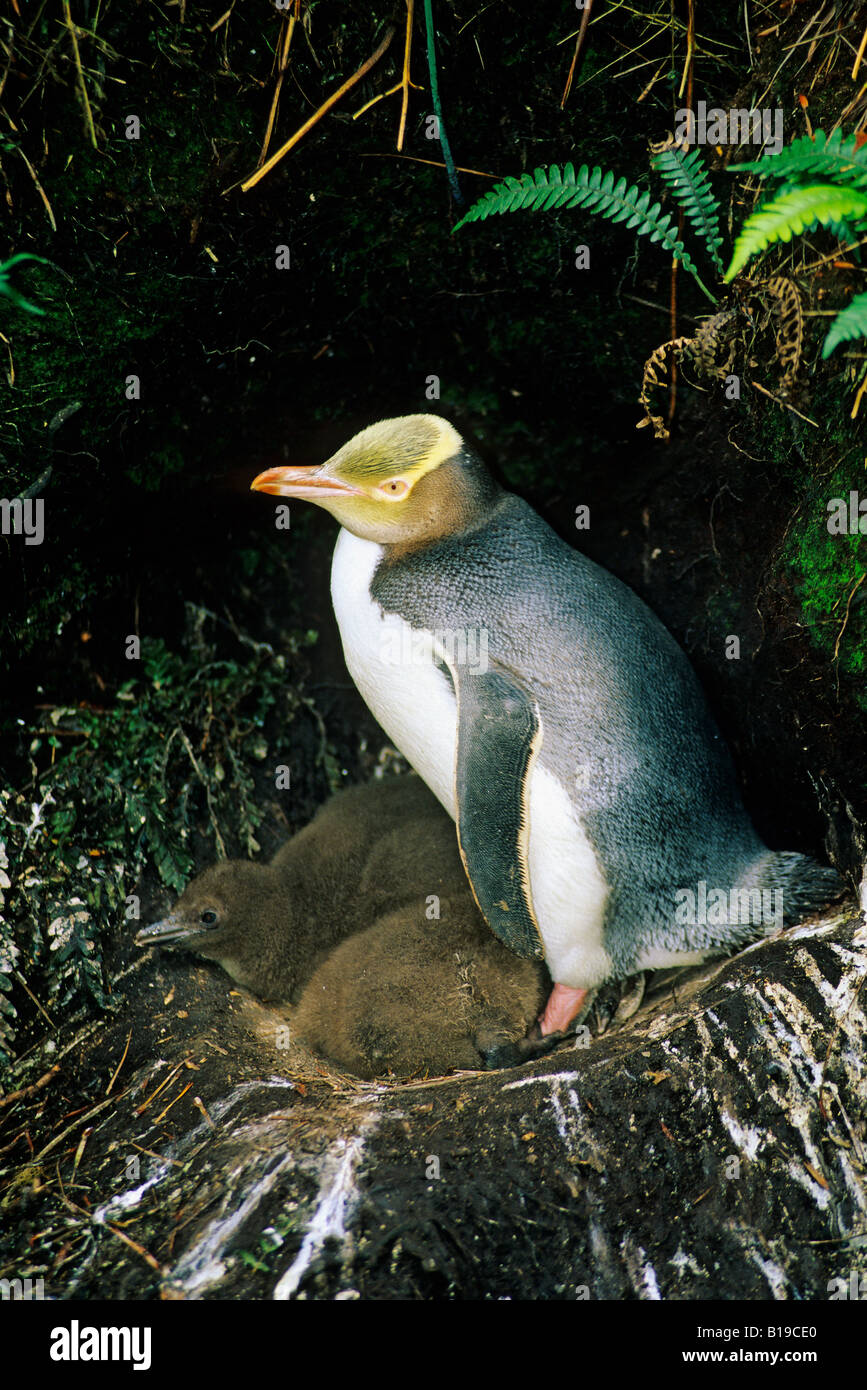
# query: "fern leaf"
{"type": "Point", "coordinates": [842, 231]}
{"type": "Point", "coordinates": [831, 157]}
{"type": "Point", "coordinates": [7, 289]}
{"type": "Point", "coordinates": [791, 212]}
{"type": "Point", "coordinates": [688, 179]}
{"type": "Point", "coordinates": [851, 323]}
{"type": "Point", "coordinates": [590, 189]}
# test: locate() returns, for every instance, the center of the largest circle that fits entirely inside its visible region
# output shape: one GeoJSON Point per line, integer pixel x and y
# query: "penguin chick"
{"type": "Point", "coordinates": [410, 995]}
{"type": "Point", "coordinates": [367, 850]}
{"type": "Point", "coordinates": [557, 721]}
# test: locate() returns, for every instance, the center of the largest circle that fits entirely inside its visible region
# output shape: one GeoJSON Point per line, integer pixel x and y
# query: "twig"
{"type": "Point", "coordinates": [652, 83]}
{"type": "Point", "coordinates": [777, 401]}
{"type": "Point", "coordinates": [404, 81]}
{"type": "Point", "coordinates": [833, 256]}
{"type": "Point", "coordinates": [852, 592]}
{"type": "Point", "coordinates": [39, 189]}
{"type": "Point", "coordinates": [284, 60]}
{"type": "Point", "coordinates": [688, 81]}
{"type": "Point", "coordinates": [665, 308]}
{"type": "Point", "coordinates": [199, 1104]}
{"type": "Point", "coordinates": [10, 375]}
{"type": "Point", "coordinates": [80, 1119]}
{"type": "Point", "coordinates": [28, 1091]}
{"type": "Point", "coordinates": [402, 86]}
{"type": "Point", "coordinates": [585, 20]}
{"type": "Point", "coordinates": [317, 115]}
{"type": "Point", "coordinates": [139, 1249]}
{"type": "Point", "coordinates": [175, 1071]}
{"type": "Point", "coordinates": [858, 397]}
{"type": "Point", "coordinates": [79, 1152]}
{"type": "Point", "coordinates": [79, 70]}
{"type": "Point", "coordinates": [163, 1114]}
{"type": "Point", "coordinates": [218, 23]}
{"type": "Point", "coordinates": [847, 111]}
{"type": "Point", "coordinates": [10, 51]}
{"type": "Point", "coordinates": [152, 1153]}
{"type": "Point", "coordinates": [24, 985]}
{"type": "Point", "coordinates": [859, 55]}
{"type": "Point", "coordinates": [119, 1065]}
{"type": "Point", "coordinates": [436, 164]}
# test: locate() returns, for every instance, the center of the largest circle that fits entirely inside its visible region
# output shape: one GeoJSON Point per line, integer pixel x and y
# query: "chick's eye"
{"type": "Point", "coordinates": [208, 918]}
{"type": "Point", "coordinates": [395, 487]}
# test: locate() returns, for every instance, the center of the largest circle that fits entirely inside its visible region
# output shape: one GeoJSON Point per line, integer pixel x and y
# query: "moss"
{"type": "Point", "coordinates": [177, 758]}
{"type": "Point", "coordinates": [724, 610]}
{"type": "Point", "coordinates": [826, 569]}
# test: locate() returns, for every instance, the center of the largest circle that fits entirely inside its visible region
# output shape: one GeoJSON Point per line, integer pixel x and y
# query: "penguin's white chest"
{"type": "Point", "coordinates": [412, 699]}
{"type": "Point", "coordinates": [398, 681]}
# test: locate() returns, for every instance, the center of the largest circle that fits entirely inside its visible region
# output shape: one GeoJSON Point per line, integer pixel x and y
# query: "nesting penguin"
{"type": "Point", "coordinates": [549, 710]}
{"type": "Point", "coordinates": [365, 919]}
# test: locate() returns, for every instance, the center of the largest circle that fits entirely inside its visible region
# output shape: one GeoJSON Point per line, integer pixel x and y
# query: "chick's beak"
{"type": "Point", "coordinates": [170, 929]}
{"type": "Point", "coordinates": [302, 482]}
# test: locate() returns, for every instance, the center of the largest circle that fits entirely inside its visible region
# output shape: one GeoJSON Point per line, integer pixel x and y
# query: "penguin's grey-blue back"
{"type": "Point", "coordinates": [625, 726]}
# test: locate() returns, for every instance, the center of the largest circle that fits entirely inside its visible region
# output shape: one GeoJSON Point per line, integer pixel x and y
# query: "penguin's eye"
{"type": "Point", "coordinates": [394, 487]}
{"type": "Point", "coordinates": [208, 918]}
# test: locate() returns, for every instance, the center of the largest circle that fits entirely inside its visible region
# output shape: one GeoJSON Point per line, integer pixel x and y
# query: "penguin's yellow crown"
{"type": "Point", "coordinates": [385, 484]}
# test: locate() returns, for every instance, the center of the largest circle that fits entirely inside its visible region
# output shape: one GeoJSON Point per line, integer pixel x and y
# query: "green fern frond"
{"type": "Point", "coordinates": [851, 323]}
{"type": "Point", "coordinates": [791, 212]}
{"type": "Point", "coordinates": [843, 231]}
{"type": "Point", "coordinates": [688, 179]}
{"type": "Point", "coordinates": [8, 290]}
{"type": "Point", "coordinates": [831, 157]}
{"type": "Point", "coordinates": [591, 189]}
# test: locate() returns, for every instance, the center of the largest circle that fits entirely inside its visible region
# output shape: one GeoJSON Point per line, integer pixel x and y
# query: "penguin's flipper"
{"type": "Point", "coordinates": [499, 731]}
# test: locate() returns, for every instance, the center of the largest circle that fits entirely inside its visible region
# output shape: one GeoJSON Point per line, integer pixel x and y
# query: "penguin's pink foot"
{"type": "Point", "coordinates": [562, 1006]}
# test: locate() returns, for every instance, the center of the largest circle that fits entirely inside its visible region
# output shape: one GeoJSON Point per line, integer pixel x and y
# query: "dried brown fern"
{"type": "Point", "coordinates": [714, 337]}
{"type": "Point", "coordinates": [787, 312]}
{"type": "Point", "coordinates": [655, 369]}
{"type": "Point", "coordinates": [711, 349]}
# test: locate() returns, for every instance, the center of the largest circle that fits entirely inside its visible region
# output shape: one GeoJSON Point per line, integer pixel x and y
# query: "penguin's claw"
{"type": "Point", "coordinates": [514, 1054]}
{"type": "Point", "coordinates": [563, 1007]}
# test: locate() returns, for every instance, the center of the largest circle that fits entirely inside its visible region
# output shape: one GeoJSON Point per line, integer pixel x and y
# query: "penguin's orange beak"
{"type": "Point", "coordinates": [302, 482]}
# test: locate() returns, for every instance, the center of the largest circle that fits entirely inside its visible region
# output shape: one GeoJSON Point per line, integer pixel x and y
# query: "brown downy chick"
{"type": "Point", "coordinates": [419, 992]}
{"type": "Point", "coordinates": [412, 996]}
{"type": "Point", "coordinates": [270, 925]}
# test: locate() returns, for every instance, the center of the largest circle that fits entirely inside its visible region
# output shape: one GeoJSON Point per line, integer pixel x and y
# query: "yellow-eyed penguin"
{"type": "Point", "coordinates": [553, 715]}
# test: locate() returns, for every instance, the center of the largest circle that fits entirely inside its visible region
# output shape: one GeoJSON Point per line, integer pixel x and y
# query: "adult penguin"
{"type": "Point", "coordinates": [552, 714]}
